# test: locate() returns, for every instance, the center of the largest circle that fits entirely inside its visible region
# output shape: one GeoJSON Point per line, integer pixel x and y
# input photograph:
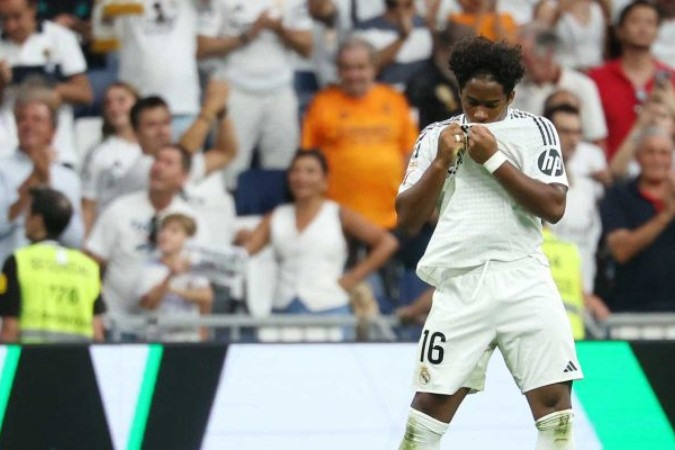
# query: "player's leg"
{"type": "Point", "coordinates": [535, 337]}
{"type": "Point", "coordinates": [454, 351]}
{"type": "Point", "coordinates": [429, 417]}
{"type": "Point", "coordinates": [552, 410]}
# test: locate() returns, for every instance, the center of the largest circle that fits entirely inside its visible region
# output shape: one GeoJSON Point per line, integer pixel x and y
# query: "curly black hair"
{"type": "Point", "coordinates": [476, 56]}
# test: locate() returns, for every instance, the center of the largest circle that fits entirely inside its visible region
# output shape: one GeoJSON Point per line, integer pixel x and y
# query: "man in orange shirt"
{"type": "Point", "coordinates": [366, 132]}
{"type": "Point", "coordinates": [483, 17]}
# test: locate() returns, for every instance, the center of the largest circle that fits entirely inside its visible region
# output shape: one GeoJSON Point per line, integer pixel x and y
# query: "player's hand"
{"type": "Point", "coordinates": [482, 143]}
{"type": "Point", "coordinates": [450, 143]}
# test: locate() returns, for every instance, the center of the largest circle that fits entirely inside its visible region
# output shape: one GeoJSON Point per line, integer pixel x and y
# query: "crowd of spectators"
{"type": "Point", "coordinates": [190, 95]}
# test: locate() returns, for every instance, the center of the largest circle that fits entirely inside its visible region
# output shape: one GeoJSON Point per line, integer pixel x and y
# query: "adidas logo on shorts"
{"type": "Point", "coordinates": [570, 367]}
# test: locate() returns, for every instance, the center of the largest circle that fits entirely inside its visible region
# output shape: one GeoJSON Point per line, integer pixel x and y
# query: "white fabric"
{"type": "Point", "coordinates": [582, 44]}
{"type": "Point", "coordinates": [265, 63]}
{"type": "Point", "coordinates": [9, 141]}
{"type": "Point", "coordinates": [205, 194]}
{"type": "Point", "coordinates": [521, 10]}
{"type": "Point", "coordinates": [581, 224]}
{"type": "Point", "coordinates": [415, 48]}
{"type": "Point", "coordinates": [587, 160]}
{"type": "Point", "coordinates": [159, 57]}
{"type": "Point", "coordinates": [88, 134]}
{"type": "Point", "coordinates": [310, 261]}
{"type": "Point", "coordinates": [215, 205]}
{"type": "Point", "coordinates": [514, 306]}
{"type": "Point", "coordinates": [556, 431]}
{"type": "Point", "coordinates": [617, 7]}
{"type": "Point", "coordinates": [137, 178]}
{"type": "Point", "coordinates": [327, 39]}
{"type": "Point", "coordinates": [266, 121]}
{"type": "Point", "coordinates": [152, 274]}
{"type": "Point", "coordinates": [13, 172]}
{"type": "Point", "coordinates": [54, 47]}
{"type": "Point", "coordinates": [663, 48]}
{"type": "Point", "coordinates": [530, 97]}
{"type": "Point", "coordinates": [105, 166]}
{"type": "Point", "coordinates": [477, 205]}
{"type": "Point", "coordinates": [120, 238]}
{"type": "Point", "coordinates": [422, 432]}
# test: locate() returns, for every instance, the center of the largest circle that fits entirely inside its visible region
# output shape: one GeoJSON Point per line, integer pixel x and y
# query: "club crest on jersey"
{"type": "Point", "coordinates": [425, 375]}
{"type": "Point", "coordinates": [550, 162]}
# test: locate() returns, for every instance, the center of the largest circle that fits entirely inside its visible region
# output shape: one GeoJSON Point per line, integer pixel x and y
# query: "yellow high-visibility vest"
{"type": "Point", "coordinates": [565, 262]}
{"type": "Point", "coordinates": [58, 289]}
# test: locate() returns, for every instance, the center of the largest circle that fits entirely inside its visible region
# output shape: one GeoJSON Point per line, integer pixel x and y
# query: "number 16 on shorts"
{"type": "Point", "coordinates": [431, 350]}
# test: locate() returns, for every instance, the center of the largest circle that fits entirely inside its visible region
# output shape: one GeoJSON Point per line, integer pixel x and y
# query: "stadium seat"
{"type": "Point", "coordinates": [259, 191]}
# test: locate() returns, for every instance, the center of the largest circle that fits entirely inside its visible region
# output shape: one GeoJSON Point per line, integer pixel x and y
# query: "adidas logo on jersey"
{"type": "Point", "coordinates": [570, 367]}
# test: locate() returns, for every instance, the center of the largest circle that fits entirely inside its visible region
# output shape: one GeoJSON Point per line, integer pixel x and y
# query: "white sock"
{"type": "Point", "coordinates": [555, 431]}
{"type": "Point", "coordinates": [422, 432]}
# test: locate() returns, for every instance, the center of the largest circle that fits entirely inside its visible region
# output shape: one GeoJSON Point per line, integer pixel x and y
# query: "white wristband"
{"type": "Point", "coordinates": [495, 161]}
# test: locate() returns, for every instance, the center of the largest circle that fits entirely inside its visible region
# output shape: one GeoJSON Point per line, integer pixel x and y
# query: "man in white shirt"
{"type": "Point", "coordinates": [151, 121]}
{"type": "Point", "coordinates": [499, 172]}
{"type": "Point", "coordinates": [256, 41]}
{"type": "Point", "coordinates": [544, 75]}
{"type": "Point", "coordinates": [45, 52]}
{"type": "Point", "coordinates": [157, 50]}
{"type": "Point", "coordinates": [124, 236]}
{"type": "Point", "coordinates": [33, 164]}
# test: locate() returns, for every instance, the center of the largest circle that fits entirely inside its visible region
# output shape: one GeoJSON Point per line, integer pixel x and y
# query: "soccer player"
{"type": "Point", "coordinates": [499, 172]}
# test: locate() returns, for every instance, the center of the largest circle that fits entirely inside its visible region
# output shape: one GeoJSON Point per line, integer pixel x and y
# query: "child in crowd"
{"type": "Point", "coordinates": [168, 288]}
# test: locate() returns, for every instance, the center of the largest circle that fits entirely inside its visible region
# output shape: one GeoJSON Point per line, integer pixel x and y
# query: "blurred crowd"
{"type": "Point", "coordinates": [190, 137]}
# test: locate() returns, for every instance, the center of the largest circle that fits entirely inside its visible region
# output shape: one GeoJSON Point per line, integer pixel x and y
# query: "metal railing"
{"type": "Point", "coordinates": [307, 327]}
{"type": "Point", "coordinates": [300, 327]}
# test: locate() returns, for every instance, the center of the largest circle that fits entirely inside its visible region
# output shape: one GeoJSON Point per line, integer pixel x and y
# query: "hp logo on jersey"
{"type": "Point", "coordinates": [550, 162]}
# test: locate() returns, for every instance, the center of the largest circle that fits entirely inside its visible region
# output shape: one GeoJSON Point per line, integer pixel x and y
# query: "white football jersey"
{"type": "Point", "coordinates": [479, 220]}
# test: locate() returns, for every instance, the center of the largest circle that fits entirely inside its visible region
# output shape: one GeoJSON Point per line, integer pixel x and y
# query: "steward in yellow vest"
{"type": "Point", "coordinates": [49, 293]}
{"type": "Point", "coordinates": [565, 263]}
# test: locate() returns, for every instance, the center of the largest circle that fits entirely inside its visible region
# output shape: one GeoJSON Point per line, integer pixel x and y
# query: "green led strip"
{"type": "Point", "coordinates": [145, 397]}
{"type": "Point", "coordinates": [619, 400]}
{"type": "Point", "coordinates": [7, 378]}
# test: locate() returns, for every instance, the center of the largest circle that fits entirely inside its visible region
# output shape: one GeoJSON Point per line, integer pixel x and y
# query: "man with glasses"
{"type": "Point", "coordinates": [125, 234]}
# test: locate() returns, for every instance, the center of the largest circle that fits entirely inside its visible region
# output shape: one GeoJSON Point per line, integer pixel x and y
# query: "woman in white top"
{"type": "Point", "coordinates": [309, 238]}
{"type": "Point", "coordinates": [110, 159]}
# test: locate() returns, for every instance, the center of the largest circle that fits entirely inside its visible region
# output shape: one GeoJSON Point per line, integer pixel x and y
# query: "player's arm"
{"type": "Point", "coordinates": [416, 204]}
{"type": "Point", "coordinates": [543, 200]}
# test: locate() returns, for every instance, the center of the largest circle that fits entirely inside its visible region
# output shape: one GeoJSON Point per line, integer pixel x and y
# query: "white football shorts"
{"type": "Point", "coordinates": [514, 306]}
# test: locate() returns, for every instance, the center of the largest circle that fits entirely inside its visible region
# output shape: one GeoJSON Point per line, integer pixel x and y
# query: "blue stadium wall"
{"type": "Point", "coordinates": [315, 396]}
